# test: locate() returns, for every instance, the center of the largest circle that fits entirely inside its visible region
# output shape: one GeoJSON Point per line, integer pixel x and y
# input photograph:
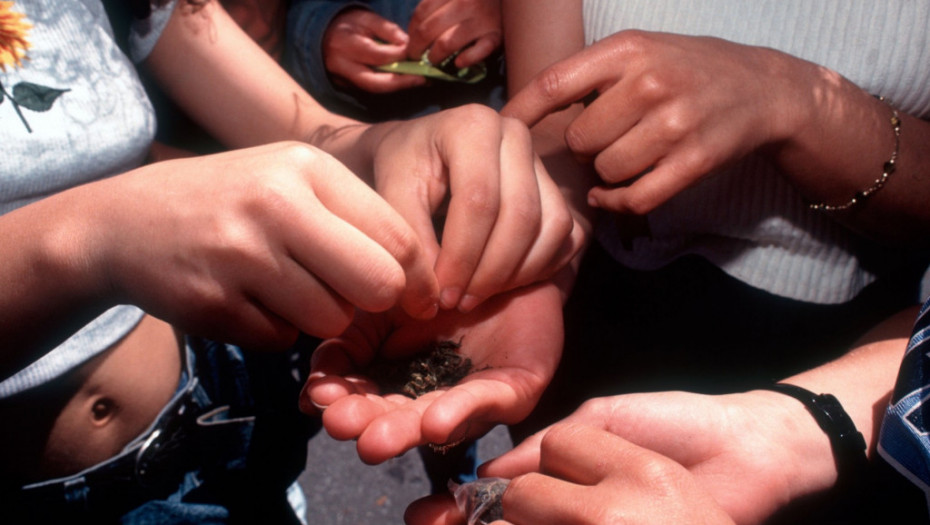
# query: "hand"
{"type": "Point", "coordinates": [446, 26]}
{"type": "Point", "coordinates": [253, 245]}
{"type": "Point", "coordinates": [514, 342]}
{"type": "Point", "coordinates": [358, 40]}
{"type": "Point", "coordinates": [752, 452]}
{"type": "Point", "coordinates": [679, 107]}
{"type": "Point", "coordinates": [590, 475]}
{"type": "Point", "coordinates": [507, 224]}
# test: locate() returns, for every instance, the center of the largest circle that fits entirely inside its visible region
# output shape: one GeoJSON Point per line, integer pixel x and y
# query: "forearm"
{"type": "Point", "coordinates": [234, 90]}
{"type": "Point", "coordinates": [524, 21]}
{"type": "Point", "coordinates": [50, 277]}
{"type": "Point", "coordinates": [861, 380]}
{"type": "Point", "coordinates": [838, 137]}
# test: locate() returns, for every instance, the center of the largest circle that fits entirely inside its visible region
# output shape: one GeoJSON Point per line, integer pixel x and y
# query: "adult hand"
{"type": "Point", "coordinates": [356, 41]}
{"type": "Point", "coordinates": [514, 342]}
{"type": "Point", "coordinates": [444, 27]}
{"type": "Point", "coordinates": [752, 452]}
{"type": "Point", "coordinates": [589, 475]}
{"type": "Point", "coordinates": [253, 245]}
{"type": "Point", "coordinates": [506, 224]}
{"type": "Point", "coordinates": [669, 110]}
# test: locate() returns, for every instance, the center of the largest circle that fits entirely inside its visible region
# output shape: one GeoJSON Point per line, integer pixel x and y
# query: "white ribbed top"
{"type": "Point", "coordinates": [748, 220]}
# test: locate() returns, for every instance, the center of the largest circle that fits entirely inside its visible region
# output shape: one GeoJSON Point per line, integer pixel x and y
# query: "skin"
{"type": "Point", "coordinates": [654, 488]}
{"type": "Point", "coordinates": [513, 341]}
{"type": "Point", "coordinates": [77, 265]}
{"type": "Point", "coordinates": [748, 454]}
{"type": "Point", "coordinates": [446, 26]}
{"type": "Point", "coordinates": [281, 235]}
{"type": "Point", "coordinates": [753, 452]}
{"type": "Point", "coordinates": [358, 39]}
{"type": "Point", "coordinates": [682, 107]}
{"type": "Point", "coordinates": [391, 156]}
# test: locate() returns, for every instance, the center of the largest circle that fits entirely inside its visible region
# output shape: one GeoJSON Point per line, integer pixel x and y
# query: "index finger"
{"type": "Point", "coordinates": [560, 85]}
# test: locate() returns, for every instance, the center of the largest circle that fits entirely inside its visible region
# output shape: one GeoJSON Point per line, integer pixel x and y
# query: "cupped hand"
{"type": "Point", "coordinates": [506, 223]}
{"type": "Point", "coordinates": [589, 475]}
{"type": "Point", "coordinates": [358, 40]}
{"type": "Point", "coordinates": [443, 27]}
{"type": "Point", "coordinates": [751, 452]}
{"type": "Point", "coordinates": [669, 109]}
{"type": "Point", "coordinates": [254, 245]}
{"type": "Point", "coordinates": [514, 342]}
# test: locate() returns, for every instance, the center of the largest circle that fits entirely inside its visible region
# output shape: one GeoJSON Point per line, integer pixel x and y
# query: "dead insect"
{"type": "Point", "coordinates": [438, 366]}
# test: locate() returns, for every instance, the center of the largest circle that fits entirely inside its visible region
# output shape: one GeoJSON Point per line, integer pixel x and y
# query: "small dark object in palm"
{"type": "Point", "coordinates": [438, 366]}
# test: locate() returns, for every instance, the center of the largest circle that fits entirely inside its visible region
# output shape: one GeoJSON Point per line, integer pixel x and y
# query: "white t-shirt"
{"type": "Point", "coordinates": [96, 121]}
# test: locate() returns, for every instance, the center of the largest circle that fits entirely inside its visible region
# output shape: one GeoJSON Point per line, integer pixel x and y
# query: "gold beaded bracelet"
{"type": "Point", "coordinates": [888, 169]}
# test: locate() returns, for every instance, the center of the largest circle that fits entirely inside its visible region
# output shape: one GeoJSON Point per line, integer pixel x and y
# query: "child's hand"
{"type": "Point", "coordinates": [506, 224]}
{"type": "Point", "coordinates": [584, 474]}
{"type": "Point", "coordinates": [356, 41]}
{"type": "Point", "coordinates": [260, 244]}
{"type": "Point", "coordinates": [471, 27]}
{"type": "Point", "coordinates": [514, 342]}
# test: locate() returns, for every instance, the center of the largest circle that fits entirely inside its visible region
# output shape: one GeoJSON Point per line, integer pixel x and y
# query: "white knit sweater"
{"type": "Point", "coordinates": [748, 220]}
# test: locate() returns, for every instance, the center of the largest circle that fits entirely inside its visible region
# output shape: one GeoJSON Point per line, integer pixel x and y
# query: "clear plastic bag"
{"type": "Point", "coordinates": [480, 500]}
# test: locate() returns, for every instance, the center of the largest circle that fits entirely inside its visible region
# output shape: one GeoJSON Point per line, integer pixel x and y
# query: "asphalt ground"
{"type": "Point", "coordinates": [341, 490]}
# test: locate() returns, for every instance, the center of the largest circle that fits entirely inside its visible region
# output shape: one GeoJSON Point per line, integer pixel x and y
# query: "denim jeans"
{"type": "Point", "coordinates": [226, 449]}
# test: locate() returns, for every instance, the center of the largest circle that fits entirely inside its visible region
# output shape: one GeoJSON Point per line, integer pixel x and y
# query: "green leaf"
{"type": "Point", "coordinates": [35, 97]}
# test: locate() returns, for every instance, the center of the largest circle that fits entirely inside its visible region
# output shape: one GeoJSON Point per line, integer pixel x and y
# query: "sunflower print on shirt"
{"type": "Point", "coordinates": [13, 47]}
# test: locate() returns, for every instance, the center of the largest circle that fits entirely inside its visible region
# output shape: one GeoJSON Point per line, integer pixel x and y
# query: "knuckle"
{"type": "Point", "coordinates": [637, 41]}
{"type": "Point", "coordinates": [577, 139]}
{"type": "Point", "coordinates": [476, 115]}
{"type": "Point", "coordinates": [403, 245]}
{"type": "Point", "coordinates": [301, 154]}
{"type": "Point", "coordinates": [482, 201]}
{"type": "Point", "coordinates": [678, 124]}
{"type": "Point", "coordinates": [662, 477]}
{"type": "Point", "coordinates": [697, 161]}
{"type": "Point", "coordinates": [650, 85]}
{"type": "Point", "coordinates": [550, 84]}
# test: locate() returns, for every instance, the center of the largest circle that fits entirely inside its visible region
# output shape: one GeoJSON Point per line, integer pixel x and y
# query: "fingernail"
{"type": "Point", "coordinates": [468, 303]}
{"type": "Point", "coordinates": [430, 311]}
{"type": "Point", "coordinates": [449, 297]}
{"type": "Point", "coordinates": [456, 438]}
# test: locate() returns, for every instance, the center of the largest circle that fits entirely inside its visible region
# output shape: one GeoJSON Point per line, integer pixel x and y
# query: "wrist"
{"type": "Point", "coordinates": [824, 441]}
{"type": "Point", "coordinates": [349, 141]}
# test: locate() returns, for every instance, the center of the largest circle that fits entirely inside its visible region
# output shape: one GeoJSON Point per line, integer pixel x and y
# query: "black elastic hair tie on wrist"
{"type": "Point", "coordinates": [849, 447]}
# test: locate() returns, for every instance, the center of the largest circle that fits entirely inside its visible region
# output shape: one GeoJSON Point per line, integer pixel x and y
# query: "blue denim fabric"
{"type": "Point", "coordinates": [307, 21]}
{"type": "Point", "coordinates": [247, 447]}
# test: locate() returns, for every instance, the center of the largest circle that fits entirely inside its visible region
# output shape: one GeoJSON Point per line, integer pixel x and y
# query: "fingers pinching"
{"type": "Point", "coordinates": [518, 223]}
{"type": "Point", "coordinates": [475, 185]}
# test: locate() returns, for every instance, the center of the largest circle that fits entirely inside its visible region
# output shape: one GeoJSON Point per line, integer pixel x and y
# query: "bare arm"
{"type": "Point", "coordinates": [684, 106]}
{"type": "Point", "coordinates": [755, 451]}
{"type": "Point", "coordinates": [506, 226]}
{"type": "Point", "coordinates": [527, 54]}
